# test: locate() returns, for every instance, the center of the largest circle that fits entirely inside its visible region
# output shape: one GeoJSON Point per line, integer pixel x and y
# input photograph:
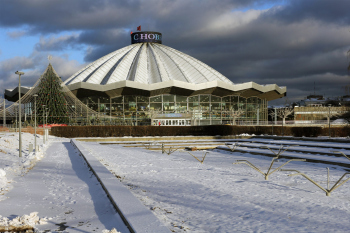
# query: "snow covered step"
{"type": "Point", "coordinates": [342, 144]}
{"type": "Point", "coordinates": [334, 160]}
{"type": "Point", "coordinates": [135, 215]}
{"type": "Point", "coordinates": [295, 148]}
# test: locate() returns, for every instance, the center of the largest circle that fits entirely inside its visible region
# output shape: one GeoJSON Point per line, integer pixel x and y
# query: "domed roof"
{"type": "Point", "coordinates": [146, 63]}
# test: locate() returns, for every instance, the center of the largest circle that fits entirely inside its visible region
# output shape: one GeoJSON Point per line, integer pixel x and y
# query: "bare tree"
{"type": "Point", "coordinates": [272, 114]}
{"type": "Point", "coordinates": [151, 113]}
{"type": "Point", "coordinates": [235, 114]}
{"type": "Point", "coordinates": [284, 112]}
{"type": "Point", "coordinates": [330, 112]}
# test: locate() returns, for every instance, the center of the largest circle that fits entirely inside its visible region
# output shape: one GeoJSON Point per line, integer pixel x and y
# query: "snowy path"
{"type": "Point", "coordinates": [61, 188]}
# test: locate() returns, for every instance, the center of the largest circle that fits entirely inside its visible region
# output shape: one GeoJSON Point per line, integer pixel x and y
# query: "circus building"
{"type": "Point", "coordinates": [150, 83]}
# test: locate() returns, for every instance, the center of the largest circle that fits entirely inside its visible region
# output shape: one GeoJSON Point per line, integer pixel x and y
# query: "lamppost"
{"type": "Point", "coordinates": [47, 112]}
{"type": "Point", "coordinates": [43, 122]}
{"type": "Point", "coordinates": [20, 115]}
{"type": "Point", "coordinates": [46, 133]}
{"type": "Point", "coordinates": [329, 119]}
{"type": "Point", "coordinates": [35, 95]}
{"type": "Point", "coordinates": [16, 109]}
{"type": "Point", "coordinates": [4, 118]}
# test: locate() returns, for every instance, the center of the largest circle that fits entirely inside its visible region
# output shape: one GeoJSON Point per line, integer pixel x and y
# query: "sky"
{"type": "Point", "coordinates": [299, 44]}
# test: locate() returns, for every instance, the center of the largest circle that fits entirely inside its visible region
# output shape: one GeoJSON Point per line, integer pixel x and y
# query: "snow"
{"type": "Point", "coordinates": [217, 196]}
{"type": "Point", "coordinates": [58, 187]}
{"type": "Point", "coordinates": [26, 220]}
{"type": "Point", "coordinates": [10, 164]}
{"type": "Point", "coordinates": [340, 121]}
{"type": "Point", "coordinates": [54, 190]}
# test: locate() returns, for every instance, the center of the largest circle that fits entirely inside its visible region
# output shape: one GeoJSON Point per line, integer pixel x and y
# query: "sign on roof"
{"type": "Point", "coordinates": [143, 37]}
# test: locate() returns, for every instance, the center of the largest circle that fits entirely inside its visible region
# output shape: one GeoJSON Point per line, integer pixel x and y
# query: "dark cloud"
{"type": "Point", "coordinates": [335, 11]}
{"type": "Point", "coordinates": [55, 15]}
{"type": "Point", "coordinates": [57, 43]}
{"type": "Point", "coordinates": [296, 43]}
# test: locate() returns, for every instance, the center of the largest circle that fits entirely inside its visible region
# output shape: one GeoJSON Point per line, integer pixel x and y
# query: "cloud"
{"type": "Point", "coordinates": [16, 63]}
{"type": "Point", "coordinates": [55, 15]}
{"type": "Point", "coordinates": [335, 11]}
{"type": "Point", "coordinates": [64, 67]}
{"type": "Point", "coordinates": [33, 67]}
{"type": "Point", "coordinates": [16, 34]}
{"type": "Point", "coordinates": [8, 68]}
{"type": "Point", "coordinates": [293, 43]}
{"type": "Point", "coordinates": [57, 43]}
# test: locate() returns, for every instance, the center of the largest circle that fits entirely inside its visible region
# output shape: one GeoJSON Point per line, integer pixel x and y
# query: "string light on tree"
{"type": "Point", "coordinates": [50, 94]}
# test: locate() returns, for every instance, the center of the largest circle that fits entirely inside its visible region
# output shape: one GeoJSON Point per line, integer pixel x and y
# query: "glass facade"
{"type": "Point", "coordinates": [199, 109]}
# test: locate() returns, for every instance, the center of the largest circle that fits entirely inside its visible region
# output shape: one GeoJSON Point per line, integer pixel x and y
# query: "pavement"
{"type": "Point", "coordinates": [62, 188]}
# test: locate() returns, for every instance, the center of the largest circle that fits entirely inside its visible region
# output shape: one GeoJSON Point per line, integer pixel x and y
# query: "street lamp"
{"type": "Point", "coordinates": [329, 119]}
{"type": "Point", "coordinates": [44, 123]}
{"type": "Point", "coordinates": [46, 113]}
{"type": "Point", "coordinates": [35, 95]}
{"type": "Point", "coordinates": [46, 133]}
{"type": "Point", "coordinates": [4, 118]}
{"type": "Point", "coordinates": [20, 115]}
{"type": "Point", "coordinates": [16, 109]}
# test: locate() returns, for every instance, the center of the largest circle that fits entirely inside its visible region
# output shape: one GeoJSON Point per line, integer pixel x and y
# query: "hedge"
{"type": "Point", "coordinates": [208, 130]}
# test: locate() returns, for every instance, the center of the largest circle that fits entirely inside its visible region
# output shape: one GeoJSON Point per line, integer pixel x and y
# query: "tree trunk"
{"type": "Point", "coordinates": [234, 121]}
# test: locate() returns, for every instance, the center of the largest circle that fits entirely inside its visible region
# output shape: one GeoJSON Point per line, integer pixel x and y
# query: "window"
{"type": "Point", "coordinates": [142, 99]}
{"type": "Point", "coordinates": [117, 99]}
{"type": "Point", "coordinates": [129, 98]}
{"type": "Point", "coordinates": [226, 99]}
{"type": "Point", "coordinates": [215, 99]}
{"type": "Point", "coordinates": [168, 106]}
{"type": "Point", "coordinates": [168, 98]}
{"type": "Point", "coordinates": [193, 99]}
{"type": "Point", "coordinates": [181, 99]}
{"type": "Point", "coordinates": [156, 99]}
{"type": "Point", "coordinates": [204, 98]}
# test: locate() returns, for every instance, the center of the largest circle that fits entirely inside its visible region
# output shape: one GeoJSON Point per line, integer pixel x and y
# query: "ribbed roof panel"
{"type": "Point", "coordinates": [146, 63]}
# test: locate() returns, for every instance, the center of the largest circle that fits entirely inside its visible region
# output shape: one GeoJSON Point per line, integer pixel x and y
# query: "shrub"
{"type": "Point", "coordinates": [208, 130]}
{"type": "Point", "coordinates": [306, 131]}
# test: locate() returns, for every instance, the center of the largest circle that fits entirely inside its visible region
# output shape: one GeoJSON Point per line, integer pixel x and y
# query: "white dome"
{"type": "Point", "coordinates": [146, 63]}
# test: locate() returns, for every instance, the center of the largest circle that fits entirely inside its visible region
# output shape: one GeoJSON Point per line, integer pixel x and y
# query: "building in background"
{"type": "Point", "coordinates": [317, 108]}
{"type": "Point", "coordinates": [150, 83]}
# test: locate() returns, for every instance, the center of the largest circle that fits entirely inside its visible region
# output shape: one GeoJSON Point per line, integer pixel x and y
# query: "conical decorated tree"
{"type": "Point", "coordinates": [51, 102]}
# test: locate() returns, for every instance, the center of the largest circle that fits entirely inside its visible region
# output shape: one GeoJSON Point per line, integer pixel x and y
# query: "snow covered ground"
{"type": "Point", "coordinates": [217, 196]}
{"type": "Point", "coordinates": [188, 196]}
{"type": "Point", "coordinates": [59, 190]}
{"type": "Point", "coordinates": [10, 164]}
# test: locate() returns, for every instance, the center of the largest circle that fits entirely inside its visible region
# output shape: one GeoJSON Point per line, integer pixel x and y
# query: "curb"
{"type": "Point", "coordinates": [158, 138]}
{"type": "Point", "coordinates": [135, 215]}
